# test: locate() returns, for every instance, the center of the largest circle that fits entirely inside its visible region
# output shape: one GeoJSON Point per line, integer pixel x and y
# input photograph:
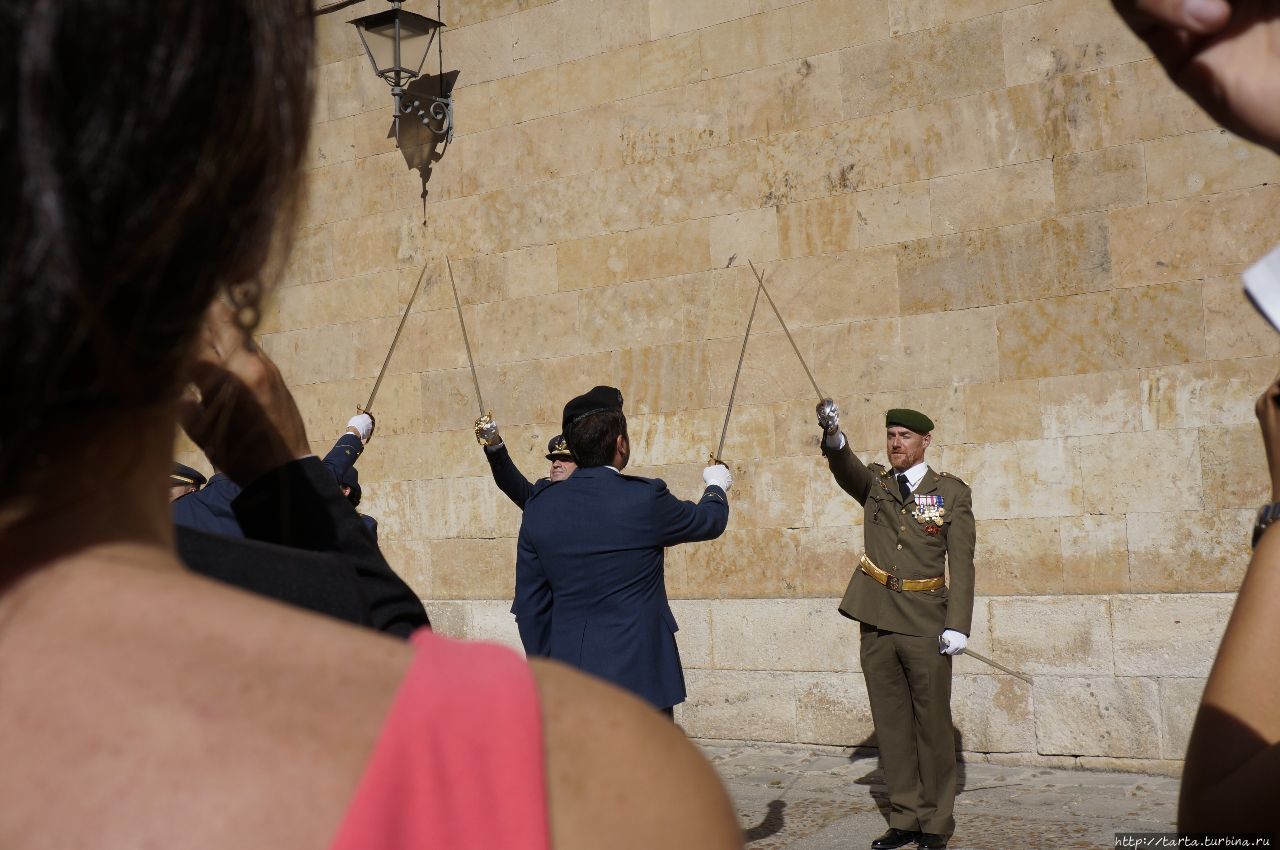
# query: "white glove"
{"type": "Point", "coordinates": [363, 425]}
{"type": "Point", "coordinates": [718, 475]}
{"type": "Point", "coordinates": [828, 416]}
{"type": "Point", "coordinates": [952, 642]}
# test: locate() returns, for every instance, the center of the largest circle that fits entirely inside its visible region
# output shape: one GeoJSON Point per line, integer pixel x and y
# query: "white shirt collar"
{"type": "Point", "coordinates": [614, 468]}
{"type": "Point", "coordinates": [915, 474]}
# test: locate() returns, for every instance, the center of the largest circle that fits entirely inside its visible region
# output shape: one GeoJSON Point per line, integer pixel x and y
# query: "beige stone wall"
{"type": "Point", "coordinates": [996, 211]}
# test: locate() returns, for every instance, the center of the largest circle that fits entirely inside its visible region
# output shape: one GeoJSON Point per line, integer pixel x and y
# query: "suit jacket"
{"type": "Point", "coordinates": [509, 478]}
{"type": "Point", "coordinates": [899, 542]}
{"type": "Point", "coordinates": [308, 548]}
{"type": "Point", "coordinates": [209, 509]}
{"type": "Point", "coordinates": [590, 584]}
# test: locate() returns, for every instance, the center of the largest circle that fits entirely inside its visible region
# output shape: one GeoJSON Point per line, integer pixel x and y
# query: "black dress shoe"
{"type": "Point", "coordinates": [932, 841]}
{"type": "Point", "coordinates": [895, 838]}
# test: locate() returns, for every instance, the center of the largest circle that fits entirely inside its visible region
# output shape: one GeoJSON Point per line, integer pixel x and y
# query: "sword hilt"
{"type": "Point", "coordinates": [712, 460]}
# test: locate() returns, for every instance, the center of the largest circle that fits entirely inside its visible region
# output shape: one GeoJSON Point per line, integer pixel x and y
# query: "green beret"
{"type": "Point", "coordinates": [912, 420]}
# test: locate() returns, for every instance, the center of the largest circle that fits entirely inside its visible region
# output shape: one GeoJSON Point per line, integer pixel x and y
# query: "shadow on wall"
{"type": "Point", "coordinates": [420, 145]}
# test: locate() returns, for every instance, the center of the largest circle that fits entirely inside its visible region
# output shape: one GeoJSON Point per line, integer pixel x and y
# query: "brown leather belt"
{"type": "Point", "coordinates": [892, 582]}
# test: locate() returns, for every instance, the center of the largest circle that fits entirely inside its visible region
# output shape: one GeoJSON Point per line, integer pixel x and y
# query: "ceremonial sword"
{"type": "Point", "coordinates": [715, 458]}
{"type": "Point", "coordinates": [783, 322]}
{"type": "Point", "coordinates": [985, 660]}
{"type": "Point", "coordinates": [368, 405]}
{"type": "Point", "coordinates": [465, 341]}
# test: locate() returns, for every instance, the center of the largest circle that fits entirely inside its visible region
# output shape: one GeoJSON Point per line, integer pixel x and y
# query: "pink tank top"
{"type": "Point", "coordinates": [458, 764]}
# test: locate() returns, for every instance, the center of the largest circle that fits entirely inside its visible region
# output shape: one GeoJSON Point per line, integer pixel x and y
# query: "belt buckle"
{"type": "Point", "coordinates": [893, 583]}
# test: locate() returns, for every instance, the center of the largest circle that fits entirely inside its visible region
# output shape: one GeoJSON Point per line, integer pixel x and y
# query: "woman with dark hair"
{"type": "Point", "coordinates": [148, 153]}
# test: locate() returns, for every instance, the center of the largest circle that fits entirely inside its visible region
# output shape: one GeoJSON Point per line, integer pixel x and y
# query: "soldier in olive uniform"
{"type": "Point", "coordinates": [918, 525]}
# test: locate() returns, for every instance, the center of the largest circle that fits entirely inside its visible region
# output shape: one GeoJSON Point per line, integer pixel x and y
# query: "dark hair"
{"type": "Point", "coordinates": [594, 438]}
{"type": "Point", "coordinates": [149, 152]}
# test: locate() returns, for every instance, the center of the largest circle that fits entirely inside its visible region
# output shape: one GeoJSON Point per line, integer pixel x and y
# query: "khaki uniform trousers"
{"type": "Point", "coordinates": [909, 687]}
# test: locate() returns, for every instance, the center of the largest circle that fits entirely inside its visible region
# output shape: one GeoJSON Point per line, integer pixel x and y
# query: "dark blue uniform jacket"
{"type": "Point", "coordinates": [509, 478]}
{"type": "Point", "coordinates": [590, 587]}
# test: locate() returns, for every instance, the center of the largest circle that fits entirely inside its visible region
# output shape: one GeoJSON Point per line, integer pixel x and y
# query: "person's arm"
{"type": "Point", "coordinates": [1233, 760]}
{"type": "Point", "coordinates": [507, 476]}
{"type": "Point", "coordinates": [532, 604]}
{"type": "Point", "coordinates": [1224, 53]}
{"type": "Point", "coordinates": [344, 454]}
{"type": "Point", "coordinates": [850, 473]}
{"type": "Point", "coordinates": [621, 775]}
{"type": "Point", "coordinates": [678, 521]}
{"type": "Point", "coordinates": [961, 539]}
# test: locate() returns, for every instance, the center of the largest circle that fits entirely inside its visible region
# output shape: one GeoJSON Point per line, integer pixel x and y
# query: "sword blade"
{"type": "Point", "coordinates": [465, 340]}
{"type": "Point", "coordinates": [783, 322]}
{"type": "Point", "coordinates": [985, 660]}
{"type": "Point", "coordinates": [386, 361]}
{"type": "Point", "coordinates": [734, 390]}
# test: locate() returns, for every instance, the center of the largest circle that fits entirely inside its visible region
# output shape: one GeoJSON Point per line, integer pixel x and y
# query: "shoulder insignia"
{"type": "Point", "coordinates": [955, 478]}
{"type": "Point", "coordinates": [877, 469]}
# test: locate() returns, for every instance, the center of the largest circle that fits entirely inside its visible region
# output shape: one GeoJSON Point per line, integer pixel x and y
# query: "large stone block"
{"type": "Point", "coordinates": [1115, 717]}
{"type": "Point", "coordinates": [755, 41]}
{"type": "Point", "coordinates": [1191, 551]}
{"type": "Point", "coordinates": [1232, 324]}
{"type": "Point", "coordinates": [1193, 237]}
{"type": "Point", "coordinates": [1102, 331]}
{"type": "Point", "coordinates": [919, 68]}
{"type": "Point", "coordinates": [828, 558]}
{"type": "Point", "coordinates": [1019, 556]}
{"type": "Point", "coordinates": [411, 560]}
{"type": "Point", "coordinates": [722, 704]}
{"type": "Point", "coordinates": [993, 714]}
{"type": "Point", "coordinates": [694, 636]}
{"type": "Point", "coordinates": [670, 17]}
{"type": "Point", "coordinates": [1064, 36]}
{"type": "Point", "coordinates": [787, 97]}
{"type": "Point", "coordinates": [819, 226]}
{"type": "Point", "coordinates": [782, 634]}
{"type": "Point", "coordinates": [1097, 403]}
{"type": "Point", "coordinates": [1052, 636]}
{"type": "Point", "coordinates": [1011, 195]}
{"type": "Point", "coordinates": [1232, 474]}
{"type": "Point", "coordinates": [493, 621]}
{"type": "Point", "coordinates": [894, 214]}
{"type": "Point", "coordinates": [821, 26]}
{"type": "Point", "coordinates": [670, 62]}
{"type": "Point", "coordinates": [671, 122]}
{"type": "Point", "coordinates": [846, 156]}
{"type": "Point", "coordinates": [473, 569]}
{"type": "Point", "coordinates": [1148, 471]}
{"type": "Point", "coordinates": [744, 564]}
{"type": "Point", "coordinates": [482, 51]}
{"type": "Point", "coordinates": [1206, 163]}
{"type": "Point", "coordinates": [1022, 480]}
{"type": "Point", "coordinates": [1003, 412]}
{"type": "Point", "coordinates": [1179, 702]}
{"type": "Point", "coordinates": [957, 347]}
{"type": "Point", "coordinates": [1095, 556]}
{"type": "Point", "coordinates": [773, 493]}
{"type": "Point", "coordinates": [811, 291]}
{"type": "Point", "coordinates": [1100, 180]}
{"type": "Point", "coordinates": [1174, 635]}
{"type": "Point", "coordinates": [1213, 394]}
{"type": "Point", "coordinates": [833, 709]}
{"type": "Point", "coordinates": [751, 234]}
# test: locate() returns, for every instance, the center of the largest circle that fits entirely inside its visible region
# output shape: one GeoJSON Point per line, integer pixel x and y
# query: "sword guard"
{"type": "Point", "coordinates": [712, 460]}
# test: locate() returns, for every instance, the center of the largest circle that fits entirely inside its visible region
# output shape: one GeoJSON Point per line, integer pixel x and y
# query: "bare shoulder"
{"type": "Point", "coordinates": [621, 775]}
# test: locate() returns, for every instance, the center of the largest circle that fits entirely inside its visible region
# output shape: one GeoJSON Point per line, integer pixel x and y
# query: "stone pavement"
{"type": "Point", "coordinates": [825, 798]}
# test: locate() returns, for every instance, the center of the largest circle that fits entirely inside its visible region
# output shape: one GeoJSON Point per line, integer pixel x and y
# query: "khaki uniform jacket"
{"type": "Point", "coordinates": [898, 543]}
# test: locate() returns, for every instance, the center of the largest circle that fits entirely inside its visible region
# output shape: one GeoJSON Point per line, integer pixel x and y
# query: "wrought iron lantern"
{"type": "Point", "coordinates": [397, 43]}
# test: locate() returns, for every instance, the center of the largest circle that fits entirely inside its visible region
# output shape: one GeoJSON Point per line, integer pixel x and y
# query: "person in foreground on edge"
{"type": "Point", "coordinates": [145, 706]}
{"type": "Point", "coordinates": [590, 586]}
{"type": "Point", "coordinates": [1227, 56]}
{"type": "Point", "coordinates": [918, 525]}
{"type": "Point", "coordinates": [505, 472]}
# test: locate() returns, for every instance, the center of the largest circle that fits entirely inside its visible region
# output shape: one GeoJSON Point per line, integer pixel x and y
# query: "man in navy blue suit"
{"type": "Point", "coordinates": [590, 586]}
